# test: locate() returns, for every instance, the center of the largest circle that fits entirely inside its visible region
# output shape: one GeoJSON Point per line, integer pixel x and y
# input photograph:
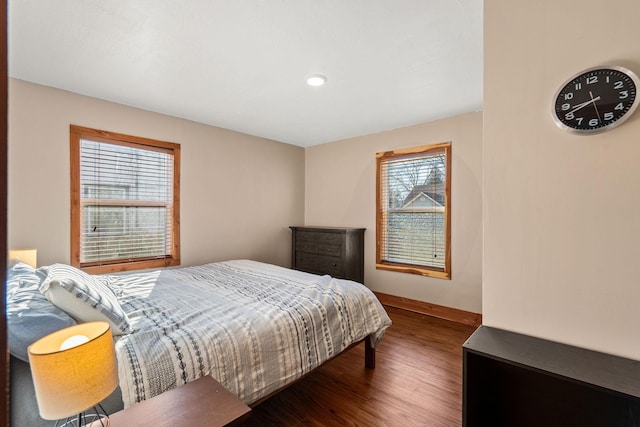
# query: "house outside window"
{"type": "Point", "coordinates": [413, 217]}
{"type": "Point", "coordinates": [125, 201]}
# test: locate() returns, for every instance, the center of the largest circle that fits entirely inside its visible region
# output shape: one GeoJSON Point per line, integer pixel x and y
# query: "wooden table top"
{"type": "Point", "coordinates": [198, 403]}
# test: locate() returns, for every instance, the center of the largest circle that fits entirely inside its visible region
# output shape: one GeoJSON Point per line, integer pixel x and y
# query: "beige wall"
{"type": "Point", "coordinates": [561, 212]}
{"type": "Point", "coordinates": [239, 193]}
{"type": "Point", "coordinates": [340, 191]}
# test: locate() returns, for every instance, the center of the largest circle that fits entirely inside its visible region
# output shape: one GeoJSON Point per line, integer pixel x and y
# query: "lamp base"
{"type": "Point", "coordinates": [98, 417]}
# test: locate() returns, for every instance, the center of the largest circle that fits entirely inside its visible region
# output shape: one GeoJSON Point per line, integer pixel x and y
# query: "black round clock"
{"type": "Point", "coordinates": [596, 100]}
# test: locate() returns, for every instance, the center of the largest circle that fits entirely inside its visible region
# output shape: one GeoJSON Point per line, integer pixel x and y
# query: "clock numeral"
{"type": "Point", "coordinates": [568, 96]}
{"type": "Point", "coordinates": [620, 106]}
{"type": "Point", "coordinates": [569, 116]}
{"type": "Point", "coordinates": [594, 122]}
{"type": "Point", "coordinates": [592, 79]}
{"type": "Point", "coordinates": [618, 85]}
{"type": "Point", "coordinates": [580, 119]}
{"type": "Point", "coordinates": [608, 116]}
{"type": "Point", "coordinates": [578, 86]}
{"type": "Point", "coordinates": [624, 94]}
{"type": "Point", "coordinates": [565, 107]}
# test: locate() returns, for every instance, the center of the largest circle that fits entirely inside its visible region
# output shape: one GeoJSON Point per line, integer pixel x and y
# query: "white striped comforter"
{"type": "Point", "coordinates": [254, 327]}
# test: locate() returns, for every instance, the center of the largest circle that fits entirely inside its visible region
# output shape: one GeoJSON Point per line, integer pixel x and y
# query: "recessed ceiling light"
{"type": "Point", "coordinates": [316, 79]}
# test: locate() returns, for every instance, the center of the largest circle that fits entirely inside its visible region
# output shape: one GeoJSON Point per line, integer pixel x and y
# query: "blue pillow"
{"type": "Point", "coordinates": [30, 316]}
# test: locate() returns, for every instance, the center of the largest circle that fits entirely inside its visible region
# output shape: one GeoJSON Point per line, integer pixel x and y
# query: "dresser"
{"type": "Point", "coordinates": [336, 251]}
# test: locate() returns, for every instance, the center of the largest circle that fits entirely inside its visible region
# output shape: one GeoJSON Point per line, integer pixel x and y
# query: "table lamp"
{"type": "Point", "coordinates": [74, 369]}
{"type": "Point", "coordinates": [28, 256]}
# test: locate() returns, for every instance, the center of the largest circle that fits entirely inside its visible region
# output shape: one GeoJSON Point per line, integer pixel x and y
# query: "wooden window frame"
{"type": "Point", "coordinates": [441, 273]}
{"type": "Point", "coordinates": [76, 134]}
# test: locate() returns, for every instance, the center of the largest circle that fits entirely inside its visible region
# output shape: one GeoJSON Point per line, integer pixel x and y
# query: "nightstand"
{"type": "Point", "coordinates": [203, 402]}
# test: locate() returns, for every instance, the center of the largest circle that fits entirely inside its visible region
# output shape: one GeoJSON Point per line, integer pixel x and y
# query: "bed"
{"type": "Point", "coordinates": [255, 327]}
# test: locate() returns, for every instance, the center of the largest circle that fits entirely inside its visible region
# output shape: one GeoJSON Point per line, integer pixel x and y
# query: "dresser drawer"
{"type": "Point", "coordinates": [320, 264]}
{"type": "Point", "coordinates": [319, 237]}
{"type": "Point", "coordinates": [311, 247]}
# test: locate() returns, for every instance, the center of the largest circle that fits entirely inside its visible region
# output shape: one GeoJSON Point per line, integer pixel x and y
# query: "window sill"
{"type": "Point", "coordinates": [414, 269]}
{"type": "Point", "coordinates": [128, 266]}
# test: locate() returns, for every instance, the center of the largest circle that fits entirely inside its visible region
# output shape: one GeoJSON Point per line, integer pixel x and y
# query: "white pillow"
{"type": "Point", "coordinates": [83, 296]}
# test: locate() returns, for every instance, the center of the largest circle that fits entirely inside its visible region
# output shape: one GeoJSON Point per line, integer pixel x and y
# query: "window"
{"type": "Point", "coordinates": [413, 231]}
{"type": "Point", "coordinates": [125, 211]}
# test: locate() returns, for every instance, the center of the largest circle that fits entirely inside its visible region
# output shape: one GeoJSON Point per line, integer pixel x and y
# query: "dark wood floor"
{"type": "Point", "coordinates": [417, 382]}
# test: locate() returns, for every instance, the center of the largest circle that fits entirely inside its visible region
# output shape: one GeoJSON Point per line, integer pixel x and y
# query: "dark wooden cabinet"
{"type": "Point", "coordinates": [336, 251]}
{"type": "Point", "coordinates": [510, 379]}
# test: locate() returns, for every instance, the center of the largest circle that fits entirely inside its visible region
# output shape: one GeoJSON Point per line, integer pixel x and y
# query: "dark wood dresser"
{"type": "Point", "coordinates": [336, 251]}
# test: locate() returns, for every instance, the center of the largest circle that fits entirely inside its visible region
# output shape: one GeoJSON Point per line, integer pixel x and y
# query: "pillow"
{"type": "Point", "coordinates": [83, 296]}
{"type": "Point", "coordinates": [30, 316]}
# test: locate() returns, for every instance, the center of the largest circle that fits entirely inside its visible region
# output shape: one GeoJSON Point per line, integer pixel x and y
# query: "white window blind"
{"type": "Point", "coordinates": [412, 208]}
{"type": "Point", "coordinates": [126, 201]}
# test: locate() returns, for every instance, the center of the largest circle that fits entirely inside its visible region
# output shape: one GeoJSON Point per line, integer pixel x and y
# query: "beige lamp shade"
{"type": "Point", "coordinates": [28, 256]}
{"type": "Point", "coordinates": [73, 369]}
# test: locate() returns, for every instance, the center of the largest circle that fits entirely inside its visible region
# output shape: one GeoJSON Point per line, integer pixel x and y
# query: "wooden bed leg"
{"type": "Point", "coordinates": [369, 354]}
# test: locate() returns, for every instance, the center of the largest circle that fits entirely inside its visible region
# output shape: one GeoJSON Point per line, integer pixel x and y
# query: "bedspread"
{"type": "Point", "coordinates": [254, 327]}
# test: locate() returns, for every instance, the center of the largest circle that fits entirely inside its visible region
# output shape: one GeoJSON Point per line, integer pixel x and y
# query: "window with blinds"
{"type": "Point", "coordinates": [413, 210]}
{"type": "Point", "coordinates": [125, 212]}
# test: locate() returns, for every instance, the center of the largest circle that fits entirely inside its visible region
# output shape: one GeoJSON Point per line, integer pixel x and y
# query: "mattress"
{"type": "Point", "coordinates": [254, 327]}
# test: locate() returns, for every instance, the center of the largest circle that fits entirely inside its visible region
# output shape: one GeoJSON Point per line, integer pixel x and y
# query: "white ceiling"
{"type": "Point", "coordinates": [241, 64]}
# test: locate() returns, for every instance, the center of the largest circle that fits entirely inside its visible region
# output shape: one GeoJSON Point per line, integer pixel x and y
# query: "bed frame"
{"type": "Point", "coordinates": [369, 363]}
{"type": "Point", "coordinates": [24, 408]}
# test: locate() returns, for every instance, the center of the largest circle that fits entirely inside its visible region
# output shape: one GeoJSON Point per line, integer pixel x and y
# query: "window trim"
{"type": "Point", "coordinates": [441, 273]}
{"type": "Point", "coordinates": [76, 134]}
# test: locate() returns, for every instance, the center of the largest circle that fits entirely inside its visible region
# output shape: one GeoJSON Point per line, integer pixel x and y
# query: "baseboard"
{"type": "Point", "coordinates": [439, 311]}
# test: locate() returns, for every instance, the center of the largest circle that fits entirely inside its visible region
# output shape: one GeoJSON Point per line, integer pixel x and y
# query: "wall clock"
{"type": "Point", "coordinates": [596, 100]}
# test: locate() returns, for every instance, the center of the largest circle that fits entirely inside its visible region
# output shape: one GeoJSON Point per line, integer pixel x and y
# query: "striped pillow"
{"type": "Point", "coordinates": [84, 297]}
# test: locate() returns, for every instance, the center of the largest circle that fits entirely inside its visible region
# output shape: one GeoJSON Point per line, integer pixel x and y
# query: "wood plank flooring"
{"type": "Point", "coordinates": [417, 382]}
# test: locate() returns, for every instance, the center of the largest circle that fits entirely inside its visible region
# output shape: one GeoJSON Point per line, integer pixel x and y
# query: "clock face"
{"type": "Point", "coordinates": [596, 100]}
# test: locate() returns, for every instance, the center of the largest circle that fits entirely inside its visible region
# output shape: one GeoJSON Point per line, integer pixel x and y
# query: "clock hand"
{"type": "Point", "coordinates": [584, 104]}
{"type": "Point", "coordinates": [594, 105]}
